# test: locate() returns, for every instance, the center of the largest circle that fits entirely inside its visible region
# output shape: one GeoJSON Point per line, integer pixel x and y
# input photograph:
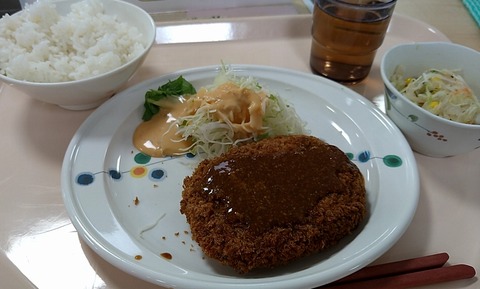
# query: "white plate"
{"type": "Point", "coordinates": [103, 174]}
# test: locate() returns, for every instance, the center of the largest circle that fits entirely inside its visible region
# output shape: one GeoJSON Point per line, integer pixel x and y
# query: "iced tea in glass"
{"type": "Point", "coordinates": [346, 35]}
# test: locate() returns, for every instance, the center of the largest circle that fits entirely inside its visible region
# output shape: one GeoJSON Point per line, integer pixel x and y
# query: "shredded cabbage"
{"type": "Point", "coordinates": [213, 136]}
{"type": "Point", "coordinates": [442, 92]}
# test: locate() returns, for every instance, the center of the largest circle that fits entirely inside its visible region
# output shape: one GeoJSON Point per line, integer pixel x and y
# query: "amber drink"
{"type": "Point", "coordinates": [346, 35]}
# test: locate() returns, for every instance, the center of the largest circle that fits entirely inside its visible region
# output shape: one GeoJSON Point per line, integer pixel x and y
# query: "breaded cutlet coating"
{"type": "Point", "coordinates": [246, 243]}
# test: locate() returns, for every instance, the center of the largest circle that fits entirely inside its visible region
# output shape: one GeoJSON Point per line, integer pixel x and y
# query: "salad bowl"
{"type": "Point", "coordinates": [426, 132]}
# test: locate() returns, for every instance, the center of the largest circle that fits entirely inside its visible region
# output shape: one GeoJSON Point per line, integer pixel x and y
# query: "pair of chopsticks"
{"type": "Point", "coordinates": [403, 274]}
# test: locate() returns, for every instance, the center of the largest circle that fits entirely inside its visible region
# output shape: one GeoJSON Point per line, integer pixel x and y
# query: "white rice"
{"type": "Point", "coordinates": [39, 45]}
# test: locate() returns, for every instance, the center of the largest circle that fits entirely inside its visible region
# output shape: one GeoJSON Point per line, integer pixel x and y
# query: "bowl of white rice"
{"type": "Point", "coordinates": [74, 53]}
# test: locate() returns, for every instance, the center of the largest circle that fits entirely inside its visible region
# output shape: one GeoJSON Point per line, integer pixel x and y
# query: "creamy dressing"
{"type": "Point", "coordinates": [241, 108]}
{"type": "Point", "coordinates": [158, 137]}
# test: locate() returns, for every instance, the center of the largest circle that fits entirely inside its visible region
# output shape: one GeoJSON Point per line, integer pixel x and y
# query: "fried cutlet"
{"type": "Point", "coordinates": [267, 203]}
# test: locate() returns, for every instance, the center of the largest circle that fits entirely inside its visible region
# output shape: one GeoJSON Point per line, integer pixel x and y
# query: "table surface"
{"type": "Point", "coordinates": [39, 247]}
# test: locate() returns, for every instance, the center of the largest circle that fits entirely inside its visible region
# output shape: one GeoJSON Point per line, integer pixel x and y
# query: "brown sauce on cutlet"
{"type": "Point", "coordinates": [274, 189]}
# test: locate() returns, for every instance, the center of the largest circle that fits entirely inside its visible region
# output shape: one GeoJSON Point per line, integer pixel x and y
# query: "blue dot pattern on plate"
{"type": "Point", "coordinates": [114, 174]}
{"type": "Point", "coordinates": [158, 174]}
{"type": "Point", "coordinates": [85, 179]}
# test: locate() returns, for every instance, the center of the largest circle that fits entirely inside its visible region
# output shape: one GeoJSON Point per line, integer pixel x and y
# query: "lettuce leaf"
{"type": "Point", "coordinates": [173, 88]}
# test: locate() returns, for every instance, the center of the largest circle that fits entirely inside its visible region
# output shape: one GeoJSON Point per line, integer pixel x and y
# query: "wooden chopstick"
{"type": "Point", "coordinates": [396, 268]}
{"type": "Point", "coordinates": [409, 280]}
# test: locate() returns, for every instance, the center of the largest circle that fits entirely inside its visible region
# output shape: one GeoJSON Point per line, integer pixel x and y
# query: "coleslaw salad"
{"type": "Point", "coordinates": [442, 92]}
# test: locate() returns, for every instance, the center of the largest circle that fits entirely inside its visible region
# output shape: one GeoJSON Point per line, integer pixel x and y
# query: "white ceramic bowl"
{"type": "Point", "coordinates": [91, 92]}
{"type": "Point", "coordinates": [427, 133]}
